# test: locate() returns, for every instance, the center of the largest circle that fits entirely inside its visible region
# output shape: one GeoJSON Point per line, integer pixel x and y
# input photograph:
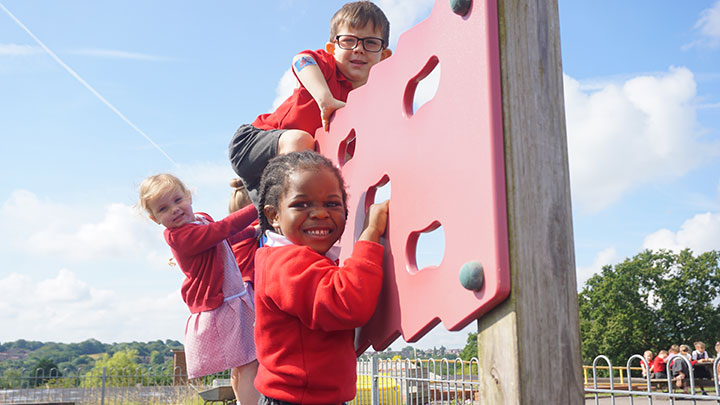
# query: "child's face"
{"type": "Point", "coordinates": [311, 211]}
{"type": "Point", "coordinates": [699, 348]}
{"type": "Point", "coordinates": [355, 63]}
{"type": "Point", "coordinates": [648, 356]}
{"type": "Point", "coordinates": [172, 209]}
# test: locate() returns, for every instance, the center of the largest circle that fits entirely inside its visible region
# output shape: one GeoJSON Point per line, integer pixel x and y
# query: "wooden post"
{"type": "Point", "coordinates": [529, 346]}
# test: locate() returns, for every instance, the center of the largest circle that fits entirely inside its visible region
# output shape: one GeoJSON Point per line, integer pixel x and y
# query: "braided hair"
{"type": "Point", "coordinates": [274, 180]}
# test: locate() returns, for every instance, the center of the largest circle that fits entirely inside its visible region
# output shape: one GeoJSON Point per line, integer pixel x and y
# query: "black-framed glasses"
{"type": "Point", "coordinates": [350, 42]}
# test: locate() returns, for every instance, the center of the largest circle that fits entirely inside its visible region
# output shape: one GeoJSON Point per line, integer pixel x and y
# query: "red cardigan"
{"type": "Point", "coordinates": [307, 309]}
{"type": "Point", "coordinates": [196, 251]}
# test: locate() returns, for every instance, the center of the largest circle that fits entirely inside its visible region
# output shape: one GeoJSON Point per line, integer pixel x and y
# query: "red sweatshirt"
{"type": "Point", "coordinates": [196, 250]}
{"type": "Point", "coordinates": [307, 309]}
{"type": "Point", "coordinates": [244, 251]}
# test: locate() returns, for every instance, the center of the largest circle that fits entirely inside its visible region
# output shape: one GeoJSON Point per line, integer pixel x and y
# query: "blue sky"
{"type": "Point", "coordinates": [642, 88]}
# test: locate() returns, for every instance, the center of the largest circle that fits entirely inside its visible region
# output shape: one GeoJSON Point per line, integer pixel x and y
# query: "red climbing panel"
{"type": "Point", "coordinates": [445, 165]}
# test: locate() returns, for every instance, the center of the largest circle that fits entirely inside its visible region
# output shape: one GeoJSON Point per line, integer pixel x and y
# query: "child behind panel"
{"type": "Point", "coordinates": [219, 331]}
{"type": "Point", "coordinates": [307, 306]}
{"type": "Point", "coordinates": [243, 249]}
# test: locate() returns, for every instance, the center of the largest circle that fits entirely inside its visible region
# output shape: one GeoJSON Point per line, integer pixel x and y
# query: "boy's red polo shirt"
{"type": "Point", "coordinates": [300, 111]}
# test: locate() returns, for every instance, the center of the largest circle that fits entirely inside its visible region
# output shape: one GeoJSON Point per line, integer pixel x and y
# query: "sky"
{"type": "Point", "coordinates": [96, 96]}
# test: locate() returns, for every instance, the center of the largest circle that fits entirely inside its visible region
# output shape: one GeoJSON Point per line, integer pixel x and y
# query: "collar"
{"type": "Point", "coordinates": [275, 240]}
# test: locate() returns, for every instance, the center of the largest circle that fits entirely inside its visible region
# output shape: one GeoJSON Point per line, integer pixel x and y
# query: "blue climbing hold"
{"type": "Point", "coordinates": [472, 276]}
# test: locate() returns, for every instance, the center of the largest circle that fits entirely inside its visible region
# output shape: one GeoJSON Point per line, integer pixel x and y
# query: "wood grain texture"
{"type": "Point", "coordinates": [529, 347]}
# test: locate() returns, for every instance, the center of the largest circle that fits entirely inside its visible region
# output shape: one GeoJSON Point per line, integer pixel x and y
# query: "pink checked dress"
{"type": "Point", "coordinates": [222, 338]}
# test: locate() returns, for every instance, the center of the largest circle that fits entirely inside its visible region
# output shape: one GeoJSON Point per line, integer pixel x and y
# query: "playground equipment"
{"type": "Point", "coordinates": [445, 166]}
{"type": "Point", "coordinates": [486, 159]}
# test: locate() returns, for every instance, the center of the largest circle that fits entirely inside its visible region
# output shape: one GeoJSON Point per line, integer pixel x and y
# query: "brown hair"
{"type": "Point", "coordinates": [158, 185]}
{"type": "Point", "coordinates": [239, 197]}
{"type": "Point", "coordinates": [359, 14]}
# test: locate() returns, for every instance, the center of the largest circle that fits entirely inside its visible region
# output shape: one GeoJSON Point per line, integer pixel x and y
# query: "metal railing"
{"type": "Point", "coordinates": [386, 382]}
{"type": "Point", "coordinates": [646, 387]}
{"type": "Point", "coordinates": [433, 381]}
{"type": "Point", "coordinates": [106, 387]}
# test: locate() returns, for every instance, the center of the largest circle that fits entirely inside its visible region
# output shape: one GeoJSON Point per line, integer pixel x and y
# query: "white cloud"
{"type": "Point", "coordinates": [19, 50]}
{"type": "Point", "coordinates": [640, 131]}
{"type": "Point", "coordinates": [113, 54]}
{"type": "Point", "coordinates": [45, 227]}
{"type": "Point", "coordinates": [403, 14]}
{"type": "Point", "coordinates": [75, 231]}
{"type": "Point", "coordinates": [701, 233]}
{"type": "Point", "coordinates": [67, 309]}
{"type": "Point", "coordinates": [284, 88]}
{"type": "Point", "coordinates": [709, 27]}
{"type": "Point", "coordinates": [64, 288]}
{"type": "Point", "coordinates": [605, 257]}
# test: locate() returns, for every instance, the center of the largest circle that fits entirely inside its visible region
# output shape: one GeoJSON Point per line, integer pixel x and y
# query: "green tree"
{"type": "Point", "coordinates": [649, 301]}
{"type": "Point", "coordinates": [122, 365]}
{"type": "Point", "coordinates": [471, 347]}
{"type": "Point", "coordinates": [407, 352]}
{"type": "Point", "coordinates": [44, 370]}
{"type": "Point", "coordinates": [156, 358]}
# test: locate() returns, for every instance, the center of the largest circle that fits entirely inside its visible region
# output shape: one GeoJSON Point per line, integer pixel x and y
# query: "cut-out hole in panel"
{"type": "Point", "coordinates": [422, 87]}
{"type": "Point", "coordinates": [425, 248]}
{"type": "Point", "coordinates": [346, 149]}
{"type": "Point", "coordinates": [378, 193]}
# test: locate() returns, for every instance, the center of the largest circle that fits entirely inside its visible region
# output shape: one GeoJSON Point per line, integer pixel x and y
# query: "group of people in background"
{"type": "Point", "coordinates": [657, 366]}
{"type": "Point", "coordinates": [267, 296]}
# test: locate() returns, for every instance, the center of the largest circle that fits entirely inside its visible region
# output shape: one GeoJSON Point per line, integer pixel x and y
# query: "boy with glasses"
{"type": "Point", "coordinates": [359, 34]}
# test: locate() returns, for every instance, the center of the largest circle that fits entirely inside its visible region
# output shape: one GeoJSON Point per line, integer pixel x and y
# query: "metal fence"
{"type": "Point", "coordinates": [109, 387]}
{"type": "Point", "coordinates": [384, 382]}
{"type": "Point", "coordinates": [608, 383]}
{"type": "Point", "coordinates": [417, 381]}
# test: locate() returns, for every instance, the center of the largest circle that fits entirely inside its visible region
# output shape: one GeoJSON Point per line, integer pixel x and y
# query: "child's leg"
{"type": "Point", "coordinates": [250, 150]}
{"type": "Point", "coordinates": [295, 140]}
{"type": "Point", "coordinates": [242, 379]}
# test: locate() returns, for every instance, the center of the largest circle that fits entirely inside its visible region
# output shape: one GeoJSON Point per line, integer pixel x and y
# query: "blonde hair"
{"type": "Point", "coordinates": [159, 185]}
{"type": "Point", "coordinates": [239, 197]}
{"type": "Point", "coordinates": [359, 14]}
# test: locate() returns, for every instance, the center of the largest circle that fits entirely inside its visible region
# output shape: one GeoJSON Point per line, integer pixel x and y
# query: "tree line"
{"type": "Point", "coordinates": [649, 302]}
{"type": "Point", "coordinates": [83, 356]}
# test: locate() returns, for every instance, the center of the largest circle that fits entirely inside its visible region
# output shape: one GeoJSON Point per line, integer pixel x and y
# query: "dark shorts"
{"type": "Point", "coordinates": [249, 151]}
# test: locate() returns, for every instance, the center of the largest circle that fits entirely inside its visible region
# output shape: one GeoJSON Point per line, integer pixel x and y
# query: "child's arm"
{"type": "Point", "coordinates": [375, 222]}
{"type": "Point", "coordinates": [310, 75]}
{"type": "Point", "coordinates": [251, 232]}
{"type": "Point", "coordinates": [194, 239]}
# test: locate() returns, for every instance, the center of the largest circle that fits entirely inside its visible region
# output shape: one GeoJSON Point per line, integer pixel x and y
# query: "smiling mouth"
{"type": "Point", "coordinates": [318, 232]}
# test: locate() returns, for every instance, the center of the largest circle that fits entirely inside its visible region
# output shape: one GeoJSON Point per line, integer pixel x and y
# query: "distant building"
{"type": "Point", "coordinates": [14, 354]}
